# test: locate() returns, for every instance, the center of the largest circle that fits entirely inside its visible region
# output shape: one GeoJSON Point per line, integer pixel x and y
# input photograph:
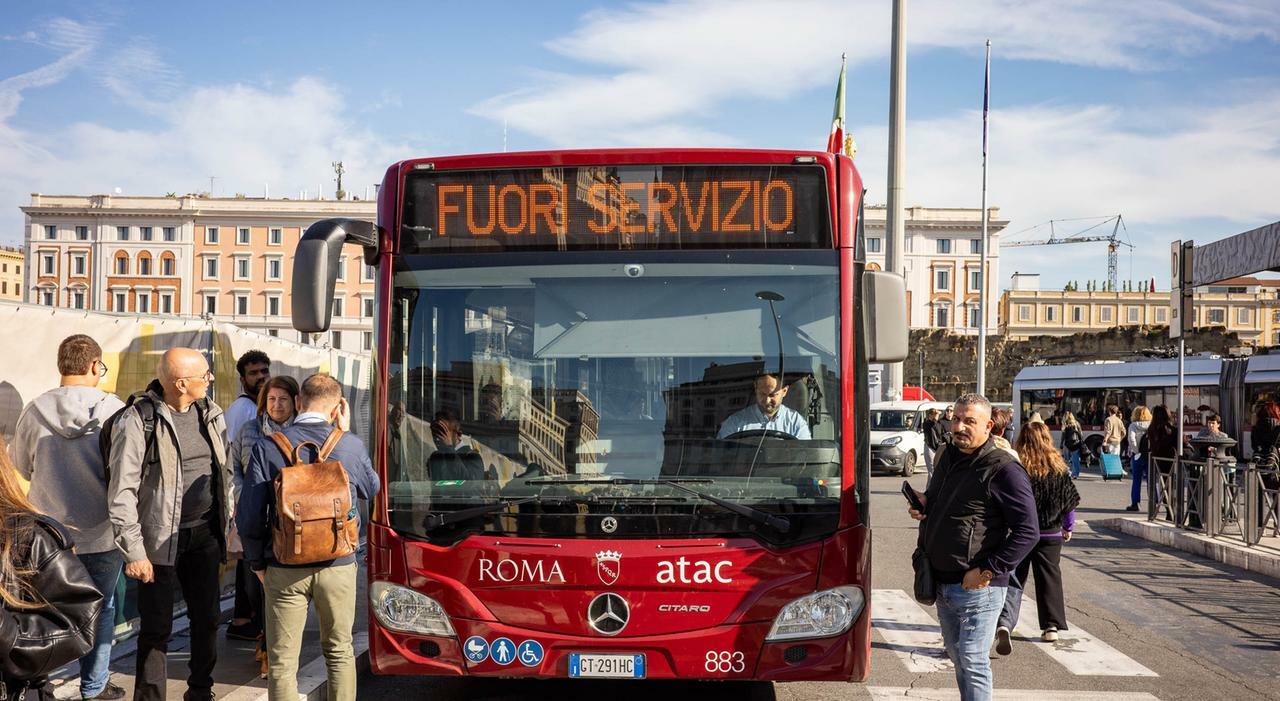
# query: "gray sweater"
{"type": "Point", "coordinates": [55, 447]}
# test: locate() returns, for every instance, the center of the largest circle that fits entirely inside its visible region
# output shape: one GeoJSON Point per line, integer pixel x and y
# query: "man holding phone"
{"type": "Point", "coordinates": [979, 520]}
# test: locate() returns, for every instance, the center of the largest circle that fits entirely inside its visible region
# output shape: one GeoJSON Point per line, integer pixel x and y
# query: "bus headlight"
{"type": "Point", "coordinates": [892, 440]}
{"type": "Point", "coordinates": [818, 615]}
{"type": "Point", "coordinates": [408, 611]}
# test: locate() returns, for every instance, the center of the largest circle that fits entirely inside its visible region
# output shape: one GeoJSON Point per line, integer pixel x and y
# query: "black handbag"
{"type": "Point", "coordinates": [926, 590]}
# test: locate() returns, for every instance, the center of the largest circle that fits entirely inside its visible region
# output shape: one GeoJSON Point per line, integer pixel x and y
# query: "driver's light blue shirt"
{"type": "Point", "coordinates": [751, 418]}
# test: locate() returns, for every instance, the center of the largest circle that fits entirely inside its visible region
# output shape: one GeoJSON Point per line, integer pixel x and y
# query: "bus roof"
{"type": "Point", "coordinates": [618, 156]}
{"type": "Point", "coordinates": [1263, 368]}
{"type": "Point", "coordinates": [1141, 373]}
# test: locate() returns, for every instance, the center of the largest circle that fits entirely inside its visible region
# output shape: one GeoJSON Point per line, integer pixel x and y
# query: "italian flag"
{"type": "Point", "coordinates": [837, 143]}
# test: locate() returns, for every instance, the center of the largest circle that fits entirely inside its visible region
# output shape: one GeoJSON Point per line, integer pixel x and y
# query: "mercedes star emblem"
{"type": "Point", "coordinates": [608, 614]}
{"type": "Point", "coordinates": [609, 524]}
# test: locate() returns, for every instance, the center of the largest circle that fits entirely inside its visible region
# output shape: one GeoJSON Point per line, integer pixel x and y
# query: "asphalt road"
{"type": "Point", "coordinates": [1150, 623]}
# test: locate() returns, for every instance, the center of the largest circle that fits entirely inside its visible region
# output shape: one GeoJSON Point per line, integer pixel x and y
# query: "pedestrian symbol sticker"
{"type": "Point", "coordinates": [530, 653]}
{"type": "Point", "coordinates": [502, 651]}
{"type": "Point", "coordinates": [476, 649]}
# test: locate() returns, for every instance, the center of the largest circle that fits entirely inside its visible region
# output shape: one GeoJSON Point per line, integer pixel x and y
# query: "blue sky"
{"type": "Point", "coordinates": [1167, 111]}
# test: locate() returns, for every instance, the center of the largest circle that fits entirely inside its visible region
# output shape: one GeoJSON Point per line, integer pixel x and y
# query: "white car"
{"type": "Point", "coordinates": [896, 441]}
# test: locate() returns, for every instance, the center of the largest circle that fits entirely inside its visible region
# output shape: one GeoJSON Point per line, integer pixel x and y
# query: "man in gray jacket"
{"type": "Point", "coordinates": [55, 448]}
{"type": "Point", "coordinates": [170, 504]}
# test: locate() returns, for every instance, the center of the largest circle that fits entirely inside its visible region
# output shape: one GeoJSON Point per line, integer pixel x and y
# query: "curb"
{"type": "Point", "coordinates": [1260, 561]}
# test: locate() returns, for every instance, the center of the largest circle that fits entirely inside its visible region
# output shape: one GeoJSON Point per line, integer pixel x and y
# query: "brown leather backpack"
{"type": "Point", "coordinates": [315, 519]}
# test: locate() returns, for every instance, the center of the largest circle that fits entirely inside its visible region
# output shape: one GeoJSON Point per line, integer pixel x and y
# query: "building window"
{"type": "Point", "coordinates": [975, 246]}
{"type": "Point", "coordinates": [1135, 314]}
{"type": "Point", "coordinates": [166, 266]}
{"type": "Point", "coordinates": [273, 305]}
{"type": "Point", "coordinates": [337, 306]}
{"type": "Point", "coordinates": [366, 273]}
{"type": "Point", "coordinates": [170, 234]}
{"type": "Point", "coordinates": [50, 231]}
{"type": "Point", "coordinates": [337, 339]}
{"type": "Point", "coordinates": [275, 237]}
{"type": "Point", "coordinates": [975, 280]}
{"type": "Point", "coordinates": [1218, 316]}
{"type": "Point", "coordinates": [944, 245]}
{"type": "Point", "coordinates": [1024, 312]}
{"type": "Point", "coordinates": [940, 317]}
{"type": "Point", "coordinates": [78, 265]}
{"type": "Point", "coordinates": [122, 264]}
{"type": "Point", "coordinates": [166, 303]}
{"type": "Point", "coordinates": [82, 233]}
{"type": "Point", "coordinates": [144, 303]}
{"type": "Point", "coordinates": [211, 235]}
{"type": "Point", "coordinates": [242, 268]}
{"type": "Point", "coordinates": [367, 304]}
{"type": "Point", "coordinates": [273, 268]}
{"type": "Point", "coordinates": [242, 304]}
{"type": "Point", "coordinates": [120, 303]}
{"type": "Point", "coordinates": [144, 265]}
{"type": "Point", "coordinates": [77, 300]}
{"type": "Point", "coordinates": [1242, 316]}
{"type": "Point", "coordinates": [975, 318]}
{"type": "Point", "coordinates": [1077, 315]}
{"type": "Point", "coordinates": [366, 341]}
{"type": "Point", "coordinates": [1050, 313]}
{"type": "Point", "coordinates": [242, 236]}
{"type": "Point", "coordinates": [1162, 315]}
{"type": "Point", "coordinates": [1104, 314]}
{"type": "Point", "coordinates": [942, 279]}
{"type": "Point", "coordinates": [274, 333]}
{"type": "Point", "coordinates": [122, 233]}
{"type": "Point", "coordinates": [873, 245]}
{"type": "Point", "coordinates": [211, 304]}
{"type": "Point", "coordinates": [48, 298]}
{"type": "Point", "coordinates": [342, 269]}
{"type": "Point", "coordinates": [47, 262]}
{"type": "Point", "coordinates": [144, 232]}
{"type": "Point", "coordinates": [211, 268]}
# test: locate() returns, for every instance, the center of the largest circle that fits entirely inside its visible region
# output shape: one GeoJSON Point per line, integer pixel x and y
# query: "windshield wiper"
{"type": "Point", "coordinates": [780, 523]}
{"type": "Point", "coordinates": [443, 518]}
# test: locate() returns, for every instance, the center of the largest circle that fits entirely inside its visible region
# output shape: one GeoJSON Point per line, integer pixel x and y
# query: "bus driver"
{"type": "Point", "coordinates": [767, 412]}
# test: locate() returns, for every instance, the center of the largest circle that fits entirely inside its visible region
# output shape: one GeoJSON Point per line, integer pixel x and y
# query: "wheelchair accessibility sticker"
{"type": "Point", "coordinates": [530, 653]}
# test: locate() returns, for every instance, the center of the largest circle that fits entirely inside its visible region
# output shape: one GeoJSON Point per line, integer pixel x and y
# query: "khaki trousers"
{"type": "Point", "coordinates": [289, 592]}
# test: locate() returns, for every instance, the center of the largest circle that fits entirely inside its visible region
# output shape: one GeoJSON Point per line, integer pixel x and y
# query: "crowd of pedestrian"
{"type": "Point", "coordinates": [165, 488]}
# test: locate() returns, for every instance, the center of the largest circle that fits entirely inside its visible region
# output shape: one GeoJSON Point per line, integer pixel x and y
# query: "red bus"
{"type": "Point", "coordinates": [578, 477]}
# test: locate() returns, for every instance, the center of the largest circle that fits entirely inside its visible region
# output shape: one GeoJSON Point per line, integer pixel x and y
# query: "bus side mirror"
{"type": "Point", "coordinates": [315, 268]}
{"type": "Point", "coordinates": [884, 317]}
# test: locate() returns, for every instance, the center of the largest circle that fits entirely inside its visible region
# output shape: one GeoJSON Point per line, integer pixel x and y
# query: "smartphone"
{"type": "Point", "coordinates": [910, 494]}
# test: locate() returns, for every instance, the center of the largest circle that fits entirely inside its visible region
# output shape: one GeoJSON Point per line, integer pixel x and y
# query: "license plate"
{"type": "Point", "coordinates": [583, 664]}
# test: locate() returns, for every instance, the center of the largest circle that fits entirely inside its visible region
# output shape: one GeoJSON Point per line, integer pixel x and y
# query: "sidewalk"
{"type": "Point", "coordinates": [236, 677]}
{"type": "Point", "coordinates": [1263, 558]}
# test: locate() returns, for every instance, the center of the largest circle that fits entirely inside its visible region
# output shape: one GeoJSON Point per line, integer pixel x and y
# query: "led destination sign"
{"type": "Point", "coordinates": [617, 207]}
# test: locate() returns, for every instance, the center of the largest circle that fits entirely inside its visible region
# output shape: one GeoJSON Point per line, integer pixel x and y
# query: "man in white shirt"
{"type": "Point", "coordinates": [766, 412]}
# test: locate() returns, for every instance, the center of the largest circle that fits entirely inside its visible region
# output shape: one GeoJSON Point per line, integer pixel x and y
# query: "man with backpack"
{"type": "Point", "coordinates": [169, 498]}
{"type": "Point", "coordinates": [303, 556]}
{"type": "Point", "coordinates": [55, 448]}
{"type": "Point", "coordinates": [254, 368]}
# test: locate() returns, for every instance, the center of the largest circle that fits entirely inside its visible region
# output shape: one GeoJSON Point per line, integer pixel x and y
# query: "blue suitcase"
{"type": "Point", "coordinates": [1111, 468]}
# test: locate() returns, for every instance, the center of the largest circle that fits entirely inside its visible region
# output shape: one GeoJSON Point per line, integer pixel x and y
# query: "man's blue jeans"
{"type": "Point", "coordinates": [104, 570]}
{"type": "Point", "coordinates": [968, 621]}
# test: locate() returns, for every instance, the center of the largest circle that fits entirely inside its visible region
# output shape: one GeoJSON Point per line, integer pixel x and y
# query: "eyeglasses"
{"type": "Point", "coordinates": [102, 369]}
{"type": "Point", "coordinates": [208, 375]}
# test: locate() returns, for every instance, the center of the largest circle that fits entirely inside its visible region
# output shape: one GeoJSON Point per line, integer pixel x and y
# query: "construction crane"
{"type": "Point", "coordinates": [1082, 236]}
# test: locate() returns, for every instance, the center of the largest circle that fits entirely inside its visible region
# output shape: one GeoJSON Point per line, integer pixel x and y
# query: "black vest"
{"type": "Point", "coordinates": [963, 525]}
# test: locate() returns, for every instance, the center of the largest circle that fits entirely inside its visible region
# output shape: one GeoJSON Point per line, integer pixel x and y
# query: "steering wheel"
{"type": "Point", "coordinates": [761, 433]}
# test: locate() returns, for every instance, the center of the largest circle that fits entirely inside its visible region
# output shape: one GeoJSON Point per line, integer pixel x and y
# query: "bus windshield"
{"type": "Point", "coordinates": [530, 390]}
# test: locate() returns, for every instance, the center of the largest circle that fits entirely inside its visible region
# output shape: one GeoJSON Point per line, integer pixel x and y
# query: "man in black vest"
{"type": "Point", "coordinates": [979, 523]}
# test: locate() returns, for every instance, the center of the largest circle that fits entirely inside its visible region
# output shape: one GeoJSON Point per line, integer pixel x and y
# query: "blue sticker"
{"type": "Point", "coordinates": [530, 653]}
{"type": "Point", "coordinates": [502, 651]}
{"type": "Point", "coordinates": [476, 649]}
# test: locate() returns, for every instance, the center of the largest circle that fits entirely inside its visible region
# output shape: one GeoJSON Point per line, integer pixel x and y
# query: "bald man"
{"type": "Point", "coordinates": [169, 500]}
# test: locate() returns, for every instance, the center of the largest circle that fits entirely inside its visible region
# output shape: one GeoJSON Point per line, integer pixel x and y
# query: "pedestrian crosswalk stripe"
{"type": "Point", "coordinates": [884, 693]}
{"type": "Point", "coordinates": [1078, 651]}
{"type": "Point", "coordinates": [909, 630]}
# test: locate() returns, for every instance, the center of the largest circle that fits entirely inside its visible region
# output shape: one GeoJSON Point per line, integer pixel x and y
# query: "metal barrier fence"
{"type": "Point", "coordinates": [1219, 498]}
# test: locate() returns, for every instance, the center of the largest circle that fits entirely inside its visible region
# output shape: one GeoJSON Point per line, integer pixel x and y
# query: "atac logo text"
{"type": "Point", "coordinates": [521, 571]}
{"type": "Point", "coordinates": [608, 566]}
{"type": "Point", "coordinates": [685, 571]}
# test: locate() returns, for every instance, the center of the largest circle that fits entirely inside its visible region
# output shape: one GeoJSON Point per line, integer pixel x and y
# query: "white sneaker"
{"type": "Point", "coordinates": [1049, 635]}
{"type": "Point", "coordinates": [1004, 641]}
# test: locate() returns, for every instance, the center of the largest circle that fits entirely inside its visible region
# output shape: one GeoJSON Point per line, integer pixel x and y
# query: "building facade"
{"type": "Point", "coordinates": [230, 259]}
{"type": "Point", "coordinates": [12, 261]}
{"type": "Point", "coordinates": [1250, 307]}
{"type": "Point", "coordinates": [942, 264]}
